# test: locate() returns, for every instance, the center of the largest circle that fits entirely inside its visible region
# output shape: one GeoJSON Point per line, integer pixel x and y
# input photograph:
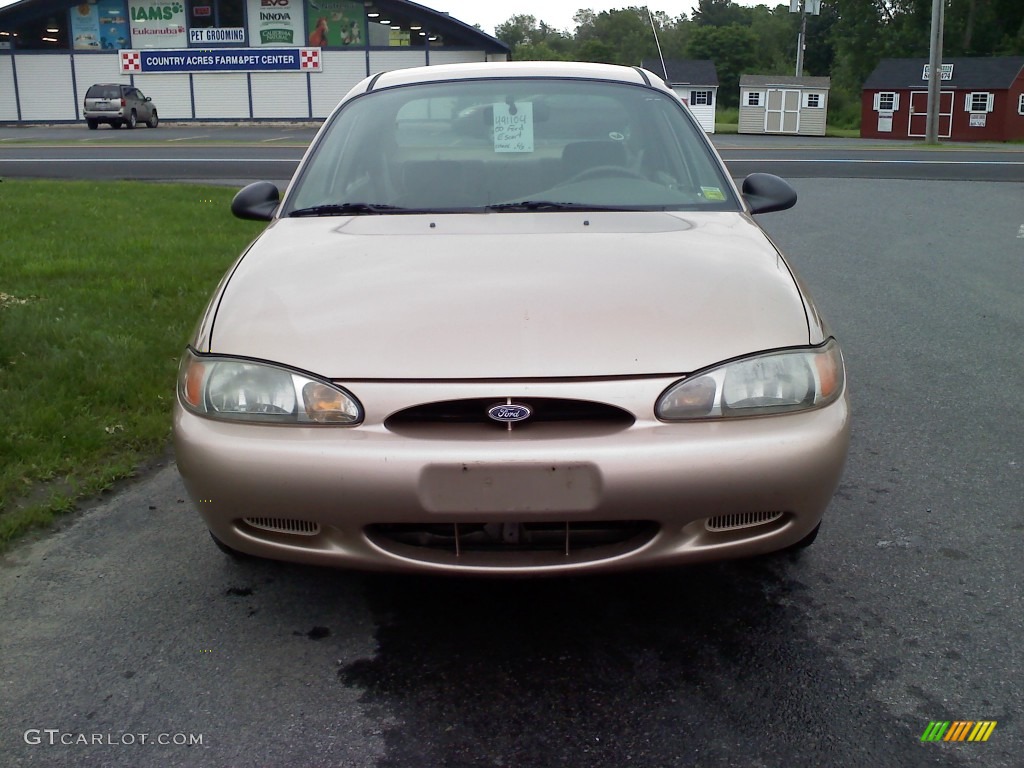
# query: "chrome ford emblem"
{"type": "Point", "coordinates": [508, 413]}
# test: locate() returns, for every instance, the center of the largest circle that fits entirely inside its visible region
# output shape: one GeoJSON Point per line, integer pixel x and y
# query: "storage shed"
{"type": "Point", "coordinates": [786, 105]}
{"type": "Point", "coordinates": [218, 59]}
{"type": "Point", "coordinates": [695, 81]}
{"type": "Point", "coordinates": [980, 99]}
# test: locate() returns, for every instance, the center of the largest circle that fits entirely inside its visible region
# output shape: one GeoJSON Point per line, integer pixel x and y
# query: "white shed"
{"type": "Point", "coordinates": [695, 81]}
{"type": "Point", "coordinates": [780, 104]}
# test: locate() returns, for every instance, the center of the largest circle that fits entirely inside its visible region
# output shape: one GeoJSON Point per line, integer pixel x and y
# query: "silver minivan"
{"type": "Point", "coordinates": [118, 104]}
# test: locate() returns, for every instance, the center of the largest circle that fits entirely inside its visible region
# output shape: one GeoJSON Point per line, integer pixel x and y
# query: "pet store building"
{"type": "Point", "coordinates": [218, 59]}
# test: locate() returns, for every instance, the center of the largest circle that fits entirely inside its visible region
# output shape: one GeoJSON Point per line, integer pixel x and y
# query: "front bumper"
{"type": "Point", "coordinates": [341, 485]}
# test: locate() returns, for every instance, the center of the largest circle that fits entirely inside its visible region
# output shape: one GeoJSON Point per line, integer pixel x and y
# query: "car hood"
{"type": "Point", "coordinates": [507, 295]}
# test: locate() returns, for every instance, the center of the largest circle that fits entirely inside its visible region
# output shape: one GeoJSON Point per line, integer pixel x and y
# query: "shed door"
{"type": "Point", "coordinates": [782, 111]}
{"type": "Point", "coordinates": [919, 113]}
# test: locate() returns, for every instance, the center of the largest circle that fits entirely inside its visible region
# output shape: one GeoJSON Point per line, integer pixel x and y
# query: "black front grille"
{"type": "Point", "coordinates": [545, 410]}
{"type": "Point", "coordinates": [462, 538]}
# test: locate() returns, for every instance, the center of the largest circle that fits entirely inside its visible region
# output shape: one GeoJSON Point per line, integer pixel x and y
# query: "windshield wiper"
{"type": "Point", "coordinates": [346, 209]}
{"type": "Point", "coordinates": [550, 205]}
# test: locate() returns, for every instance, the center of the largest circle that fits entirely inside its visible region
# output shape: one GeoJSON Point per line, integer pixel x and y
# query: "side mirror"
{"type": "Point", "coordinates": [766, 192]}
{"type": "Point", "coordinates": [257, 202]}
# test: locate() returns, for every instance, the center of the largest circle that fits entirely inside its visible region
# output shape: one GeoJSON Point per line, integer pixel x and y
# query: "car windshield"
{"type": "Point", "coordinates": [506, 145]}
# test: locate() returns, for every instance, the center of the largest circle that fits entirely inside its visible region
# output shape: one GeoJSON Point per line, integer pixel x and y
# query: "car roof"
{"type": "Point", "coordinates": [512, 69]}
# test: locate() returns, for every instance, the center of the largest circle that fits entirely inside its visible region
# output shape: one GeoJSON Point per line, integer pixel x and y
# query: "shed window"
{"type": "Point", "coordinates": [753, 98]}
{"type": "Point", "coordinates": [979, 102]}
{"type": "Point", "coordinates": [1020, 104]}
{"type": "Point", "coordinates": [887, 101]}
{"type": "Point", "coordinates": [812, 100]}
{"type": "Point", "coordinates": [700, 98]}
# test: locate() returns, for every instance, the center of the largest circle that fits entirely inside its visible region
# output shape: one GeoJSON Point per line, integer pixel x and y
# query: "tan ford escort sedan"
{"type": "Point", "coordinates": [511, 318]}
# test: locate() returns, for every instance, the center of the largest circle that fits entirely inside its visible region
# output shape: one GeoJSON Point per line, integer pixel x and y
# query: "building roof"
{"type": "Point", "coordinates": [760, 81]}
{"type": "Point", "coordinates": [977, 72]}
{"type": "Point", "coordinates": [684, 71]}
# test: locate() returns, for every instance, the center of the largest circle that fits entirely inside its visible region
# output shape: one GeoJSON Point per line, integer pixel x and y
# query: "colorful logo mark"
{"type": "Point", "coordinates": [958, 730]}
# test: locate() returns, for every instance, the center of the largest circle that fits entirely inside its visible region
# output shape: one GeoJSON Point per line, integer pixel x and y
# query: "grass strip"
{"type": "Point", "coordinates": [100, 284]}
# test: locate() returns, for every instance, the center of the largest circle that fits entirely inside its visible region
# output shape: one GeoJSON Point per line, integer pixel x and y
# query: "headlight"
{"type": "Point", "coordinates": [774, 382]}
{"type": "Point", "coordinates": [241, 390]}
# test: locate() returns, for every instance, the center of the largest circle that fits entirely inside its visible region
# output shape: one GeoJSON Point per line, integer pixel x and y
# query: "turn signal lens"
{"type": "Point", "coordinates": [693, 401]}
{"type": "Point", "coordinates": [830, 372]}
{"type": "Point", "coordinates": [327, 405]}
{"type": "Point", "coordinates": [193, 378]}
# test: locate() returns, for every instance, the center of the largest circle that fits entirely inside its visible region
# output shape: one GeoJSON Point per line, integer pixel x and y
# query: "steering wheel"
{"type": "Point", "coordinates": [599, 171]}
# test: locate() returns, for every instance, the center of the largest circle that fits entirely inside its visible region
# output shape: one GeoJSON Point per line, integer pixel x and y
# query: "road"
{"type": "Point", "coordinates": [908, 609]}
{"type": "Point", "coordinates": [236, 155]}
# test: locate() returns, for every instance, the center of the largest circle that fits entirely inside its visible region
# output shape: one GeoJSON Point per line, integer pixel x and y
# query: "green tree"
{"type": "Point", "coordinates": [541, 52]}
{"type": "Point", "coordinates": [776, 30]}
{"type": "Point", "coordinates": [733, 49]}
{"type": "Point", "coordinates": [984, 27]}
{"type": "Point", "coordinates": [531, 40]}
{"type": "Point", "coordinates": [858, 38]}
{"type": "Point", "coordinates": [720, 13]}
{"type": "Point", "coordinates": [616, 37]}
{"type": "Point", "coordinates": [845, 42]}
{"type": "Point", "coordinates": [519, 30]}
{"type": "Point", "coordinates": [675, 35]}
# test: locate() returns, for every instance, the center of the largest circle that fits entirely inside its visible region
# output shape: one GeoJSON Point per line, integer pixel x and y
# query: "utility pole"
{"type": "Point", "coordinates": [801, 44]}
{"type": "Point", "coordinates": [803, 7]}
{"type": "Point", "coordinates": [935, 74]}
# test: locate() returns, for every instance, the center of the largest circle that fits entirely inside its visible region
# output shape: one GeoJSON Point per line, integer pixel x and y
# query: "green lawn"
{"type": "Point", "coordinates": [100, 286]}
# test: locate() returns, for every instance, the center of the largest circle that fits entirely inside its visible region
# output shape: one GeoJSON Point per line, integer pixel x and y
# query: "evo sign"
{"type": "Point", "coordinates": [221, 60]}
{"type": "Point", "coordinates": [276, 23]}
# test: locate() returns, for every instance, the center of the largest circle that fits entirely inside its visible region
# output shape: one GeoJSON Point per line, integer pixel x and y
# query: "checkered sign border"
{"type": "Point", "coordinates": [131, 61]}
{"type": "Point", "coordinates": [309, 59]}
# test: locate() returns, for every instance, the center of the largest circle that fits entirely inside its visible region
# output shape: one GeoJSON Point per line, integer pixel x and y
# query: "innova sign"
{"type": "Point", "coordinates": [276, 22]}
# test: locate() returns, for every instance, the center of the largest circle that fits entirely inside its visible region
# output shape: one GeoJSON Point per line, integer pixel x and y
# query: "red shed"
{"type": "Point", "coordinates": [982, 99]}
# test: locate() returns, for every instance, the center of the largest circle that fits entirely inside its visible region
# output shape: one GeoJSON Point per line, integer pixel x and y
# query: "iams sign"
{"type": "Point", "coordinates": [155, 12]}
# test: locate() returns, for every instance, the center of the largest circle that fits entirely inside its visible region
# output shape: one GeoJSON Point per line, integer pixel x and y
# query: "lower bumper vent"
{"type": "Point", "coordinates": [740, 520]}
{"type": "Point", "coordinates": [283, 525]}
{"type": "Point", "coordinates": [562, 538]}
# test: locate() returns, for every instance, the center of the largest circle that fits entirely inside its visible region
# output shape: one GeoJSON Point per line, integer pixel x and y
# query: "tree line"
{"type": "Point", "coordinates": [845, 42]}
